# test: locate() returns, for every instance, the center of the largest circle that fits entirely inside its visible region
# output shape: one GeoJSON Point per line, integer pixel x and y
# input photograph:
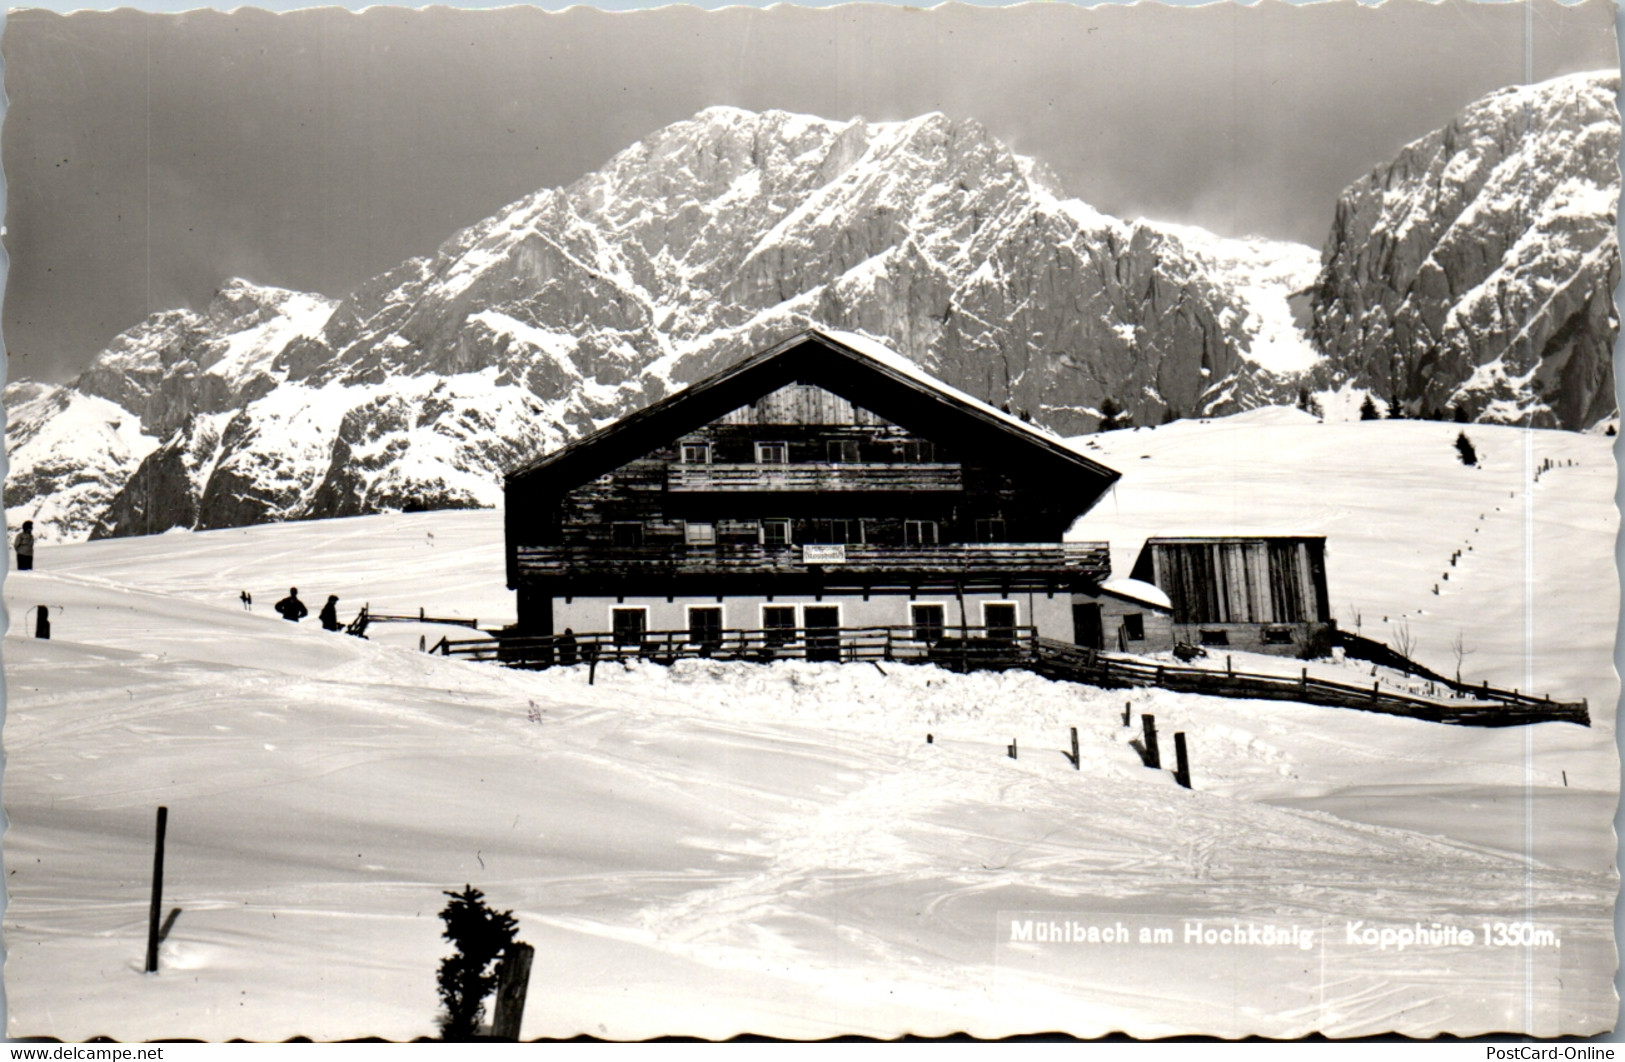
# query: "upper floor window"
{"type": "Point", "coordinates": [775, 532]}
{"type": "Point", "coordinates": [919, 451]}
{"type": "Point", "coordinates": [696, 453]}
{"type": "Point", "coordinates": [699, 534]}
{"type": "Point", "coordinates": [772, 453]}
{"type": "Point", "coordinates": [919, 532]}
{"type": "Point", "coordinates": [991, 530]}
{"type": "Point", "coordinates": [836, 532]}
{"type": "Point", "coordinates": [843, 451]}
{"type": "Point", "coordinates": [627, 534]}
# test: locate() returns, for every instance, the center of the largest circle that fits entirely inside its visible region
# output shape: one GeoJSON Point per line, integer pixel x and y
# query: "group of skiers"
{"type": "Point", "coordinates": [289, 608]}
{"type": "Point", "coordinates": [292, 609]}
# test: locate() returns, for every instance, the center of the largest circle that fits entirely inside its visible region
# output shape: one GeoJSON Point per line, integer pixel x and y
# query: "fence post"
{"type": "Point", "coordinates": [1374, 687]}
{"type": "Point", "coordinates": [157, 892]}
{"type": "Point", "coordinates": [1182, 766]}
{"type": "Point", "coordinates": [513, 982]}
{"type": "Point", "coordinates": [1152, 757]}
{"type": "Point", "coordinates": [1075, 761]}
{"type": "Point", "coordinates": [1011, 749]}
{"type": "Point", "coordinates": [1303, 680]}
{"type": "Point", "coordinates": [1128, 708]}
{"type": "Point", "coordinates": [1228, 670]}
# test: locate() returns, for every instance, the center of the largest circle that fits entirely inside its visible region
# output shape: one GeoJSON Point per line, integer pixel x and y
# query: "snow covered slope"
{"type": "Point", "coordinates": [719, 848]}
{"type": "Point", "coordinates": [1478, 268]}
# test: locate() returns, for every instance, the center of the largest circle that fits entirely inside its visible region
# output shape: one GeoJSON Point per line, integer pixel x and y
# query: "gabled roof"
{"type": "Point", "coordinates": [858, 369]}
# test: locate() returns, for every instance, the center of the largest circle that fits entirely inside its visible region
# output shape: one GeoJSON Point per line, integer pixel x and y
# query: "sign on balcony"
{"type": "Point", "coordinates": [811, 554]}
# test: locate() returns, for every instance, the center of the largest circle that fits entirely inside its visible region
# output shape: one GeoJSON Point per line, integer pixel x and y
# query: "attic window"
{"type": "Point", "coordinates": [627, 535]}
{"type": "Point", "coordinates": [696, 453]}
{"type": "Point", "coordinates": [699, 534]}
{"type": "Point", "coordinates": [919, 451]}
{"type": "Point", "coordinates": [990, 530]}
{"type": "Point", "coordinates": [772, 453]}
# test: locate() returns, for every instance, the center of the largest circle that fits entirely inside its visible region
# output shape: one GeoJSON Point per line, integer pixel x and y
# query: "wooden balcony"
{"type": "Point", "coordinates": [1059, 560]}
{"type": "Point", "coordinates": [813, 478]}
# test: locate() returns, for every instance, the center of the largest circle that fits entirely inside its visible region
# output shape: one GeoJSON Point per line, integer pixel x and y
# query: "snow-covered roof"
{"type": "Point", "coordinates": [1136, 590]}
{"type": "Point", "coordinates": [892, 375]}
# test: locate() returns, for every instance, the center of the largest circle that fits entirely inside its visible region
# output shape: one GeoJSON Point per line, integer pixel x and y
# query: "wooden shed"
{"type": "Point", "coordinates": [1260, 594]}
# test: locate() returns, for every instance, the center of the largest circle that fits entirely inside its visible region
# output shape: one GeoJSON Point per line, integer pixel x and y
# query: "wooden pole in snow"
{"type": "Point", "coordinates": [513, 982]}
{"type": "Point", "coordinates": [1011, 749]}
{"type": "Point", "coordinates": [157, 893]}
{"type": "Point", "coordinates": [1152, 757]}
{"type": "Point", "coordinates": [1182, 766]}
{"type": "Point", "coordinates": [1075, 765]}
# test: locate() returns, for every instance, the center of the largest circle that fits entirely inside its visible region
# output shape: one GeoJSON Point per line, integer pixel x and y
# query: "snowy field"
{"type": "Point", "coordinates": [722, 848]}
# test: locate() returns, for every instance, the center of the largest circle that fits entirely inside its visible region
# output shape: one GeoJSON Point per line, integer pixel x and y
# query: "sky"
{"type": "Point", "coordinates": [151, 157]}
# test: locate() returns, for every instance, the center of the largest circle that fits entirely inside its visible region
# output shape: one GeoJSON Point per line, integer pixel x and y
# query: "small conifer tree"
{"type": "Point", "coordinates": [1464, 448]}
{"type": "Point", "coordinates": [1368, 409]}
{"type": "Point", "coordinates": [466, 978]}
{"type": "Point", "coordinates": [1111, 416]}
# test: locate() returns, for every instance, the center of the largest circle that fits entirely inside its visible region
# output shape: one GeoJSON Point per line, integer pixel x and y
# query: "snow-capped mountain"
{"type": "Point", "coordinates": [1478, 268]}
{"type": "Point", "coordinates": [712, 238]}
{"type": "Point", "coordinates": [722, 234]}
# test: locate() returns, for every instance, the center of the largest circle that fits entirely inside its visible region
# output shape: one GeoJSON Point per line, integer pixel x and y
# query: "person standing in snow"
{"type": "Point", "coordinates": [330, 614]}
{"type": "Point", "coordinates": [291, 608]}
{"type": "Point", "coordinates": [25, 547]}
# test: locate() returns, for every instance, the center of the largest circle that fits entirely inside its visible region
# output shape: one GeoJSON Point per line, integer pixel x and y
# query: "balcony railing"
{"type": "Point", "coordinates": [1061, 559]}
{"type": "Point", "coordinates": [814, 477]}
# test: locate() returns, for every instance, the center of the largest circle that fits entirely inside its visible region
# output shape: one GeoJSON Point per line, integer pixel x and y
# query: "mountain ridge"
{"type": "Point", "coordinates": [699, 244]}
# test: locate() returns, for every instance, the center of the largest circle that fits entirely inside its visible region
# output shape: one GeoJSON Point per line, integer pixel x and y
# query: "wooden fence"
{"type": "Point", "coordinates": [1002, 648]}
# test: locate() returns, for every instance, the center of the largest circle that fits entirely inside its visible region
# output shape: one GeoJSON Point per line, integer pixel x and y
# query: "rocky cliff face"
{"type": "Point", "coordinates": [1478, 268]}
{"type": "Point", "coordinates": [711, 239]}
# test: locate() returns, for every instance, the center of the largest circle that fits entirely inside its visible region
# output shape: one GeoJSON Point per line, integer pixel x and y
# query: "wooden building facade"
{"type": "Point", "coordinates": [824, 483]}
{"type": "Point", "coordinates": [1265, 594]}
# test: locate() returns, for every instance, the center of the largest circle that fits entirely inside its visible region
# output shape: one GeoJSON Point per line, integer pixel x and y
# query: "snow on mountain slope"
{"type": "Point", "coordinates": [1478, 268]}
{"type": "Point", "coordinates": [69, 455]}
{"type": "Point", "coordinates": [707, 241]}
{"type": "Point", "coordinates": [720, 848]}
{"type": "Point", "coordinates": [1474, 270]}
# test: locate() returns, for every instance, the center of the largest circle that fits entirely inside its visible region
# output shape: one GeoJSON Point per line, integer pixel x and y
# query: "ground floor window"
{"type": "Point", "coordinates": [628, 625]}
{"type": "Point", "coordinates": [705, 624]}
{"type": "Point", "coordinates": [1214, 637]}
{"type": "Point", "coordinates": [1277, 635]}
{"type": "Point", "coordinates": [779, 624]}
{"type": "Point", "coordinates": [697, 533]}
{"type": "Point", "coordinates": [999, 617]}
{"type": "Point", "coordinates": [928, 621]}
